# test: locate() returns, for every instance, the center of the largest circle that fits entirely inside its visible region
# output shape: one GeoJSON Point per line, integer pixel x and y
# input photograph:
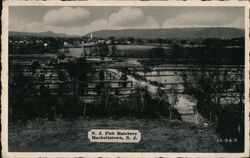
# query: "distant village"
{"type": "Point", "coordinates": [91, 41]}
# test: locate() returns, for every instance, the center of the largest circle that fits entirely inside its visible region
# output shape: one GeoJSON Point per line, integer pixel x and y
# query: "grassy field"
{"type": "Point", "coordinates": [159, 135]}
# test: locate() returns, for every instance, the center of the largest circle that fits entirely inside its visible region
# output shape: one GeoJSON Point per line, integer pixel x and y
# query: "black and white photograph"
{"type": "Point", "coordinates": [143, 78]}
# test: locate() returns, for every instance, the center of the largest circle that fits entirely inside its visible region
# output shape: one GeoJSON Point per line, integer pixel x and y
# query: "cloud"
{"type": "Point", "coordinates": [151, 23]}
{"type": "Point", "coordinates": [34, 26]}
{"type": "Point", "coordinates": [66, 16]}
{"type": "Point", "coordinates": [17, 24]}
{"type": "Point", "coordinates": [239, 22]}
{"type": "Point", "coordinates": [131, 17]}
{"type": "Point", "coordinates": [73, 22]}
{"type": "Point", "coordinates": [100, 24]}
{"type": "Point", "coordinates": [125, 18]}
{"type": "Point", "coordinates": [200, 19]}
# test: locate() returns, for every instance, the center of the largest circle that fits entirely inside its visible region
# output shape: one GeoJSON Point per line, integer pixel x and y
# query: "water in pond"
{"type": "Point", "coordinates": [75, 52]}
{"type": "Point", "coordinates": [121, 49]}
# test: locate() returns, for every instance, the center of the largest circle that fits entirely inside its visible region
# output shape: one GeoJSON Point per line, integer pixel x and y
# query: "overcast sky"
{"type": "Point", "coordinates": [82, 20]}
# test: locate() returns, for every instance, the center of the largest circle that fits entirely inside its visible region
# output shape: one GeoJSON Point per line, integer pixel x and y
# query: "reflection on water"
{"type": "Point", "coordinates": [167, 76]}
{"type": "Point", "coordinates": [121, 49]}
{"type": "Point", "coordinates": [74, 52]}
{"type": "Point", "coordinates": [134, 47]}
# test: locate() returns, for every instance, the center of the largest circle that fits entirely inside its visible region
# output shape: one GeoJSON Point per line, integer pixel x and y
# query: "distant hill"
{"type": "Point", "coordinates": [40, 34]}
{"type": "Point", "coordinates": [184, 33]}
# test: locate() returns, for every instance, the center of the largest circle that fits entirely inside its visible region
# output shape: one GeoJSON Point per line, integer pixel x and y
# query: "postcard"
{"type": "Point", "coordinates": [125, 79]}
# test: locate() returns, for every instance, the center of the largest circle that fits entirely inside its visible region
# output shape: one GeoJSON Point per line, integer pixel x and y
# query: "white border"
{"type": "Point", "coordinates": [4, 77]}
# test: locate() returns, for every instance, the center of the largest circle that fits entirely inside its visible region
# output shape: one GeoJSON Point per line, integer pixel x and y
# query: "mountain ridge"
{"type": "Point", "coordinates": [179, 33]}
{"type": "Point", "coordinates": [40, 34]}
{"type": "Point", "coordinates": [188, 33]}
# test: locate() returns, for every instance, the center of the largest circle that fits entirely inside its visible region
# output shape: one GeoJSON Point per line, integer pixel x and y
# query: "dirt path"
{"type": "Point", "coordinates": [184, 106]}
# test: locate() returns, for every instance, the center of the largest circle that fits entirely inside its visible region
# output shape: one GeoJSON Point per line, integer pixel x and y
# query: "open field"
{"type": "Point", "coordinates": [159, 135]}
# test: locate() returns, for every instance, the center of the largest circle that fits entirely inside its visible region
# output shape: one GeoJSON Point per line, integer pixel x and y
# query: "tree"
{"type": "Point", "coordinates": [100, 86]}
{"type": "Point", "coordinates": [101, 75]}
{"type": "Point", "coordinates": [20, 89]}
{"type": "Point", "coordinates": [124, 77]}
{"type": "Point", "coordinates": [176, 50]}
{"type": "Point", "coordinates": [157, 52]}
{"type": "Point", "coordinates": [113, 48]}
{"type": "Point", "coordinates": [139, 41]}
{"type": "Point", "coordinates": [78, 70]}
{"type": "Point", "coordinates": [103, 49]}
{"type": "Point", "coordinates": [131, 39]}
{"type": "Point", "coordinates": [220, 98]}
{"type": "Point", "coordinates": [182, 42]}
{"type": "Point", "coordinates": [159, 41]}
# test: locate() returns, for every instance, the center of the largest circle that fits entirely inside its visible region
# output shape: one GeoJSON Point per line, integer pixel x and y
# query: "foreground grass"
{"type": "Point", "coordinates": [159, 135]}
